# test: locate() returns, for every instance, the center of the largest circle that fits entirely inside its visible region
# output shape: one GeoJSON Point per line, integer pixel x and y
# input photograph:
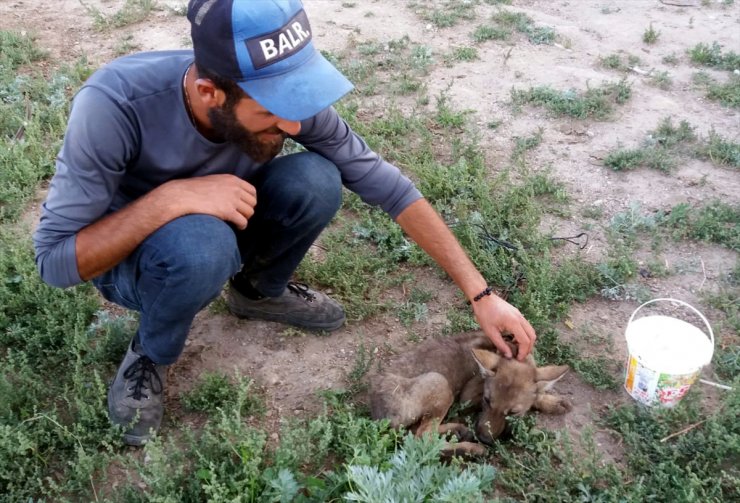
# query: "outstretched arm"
{"type": "Point", "coordinates": [495, 316]}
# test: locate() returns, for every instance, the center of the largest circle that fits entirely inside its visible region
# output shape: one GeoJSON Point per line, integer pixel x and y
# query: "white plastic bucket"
{"type": "Point", "coordinates": [665, 356]}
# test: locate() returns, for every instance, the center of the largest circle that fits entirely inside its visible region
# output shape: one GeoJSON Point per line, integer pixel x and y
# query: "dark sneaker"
{"type": "Point", "coordinates": [298, 305]}
{"type": "Point", "coordinates": [135, 397]}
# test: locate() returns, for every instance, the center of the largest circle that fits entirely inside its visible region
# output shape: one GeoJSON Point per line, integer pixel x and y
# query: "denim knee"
{"type": "Point", "coordinates": [197, 252]}
{"type": "Point", "coordinates": [302, 186]}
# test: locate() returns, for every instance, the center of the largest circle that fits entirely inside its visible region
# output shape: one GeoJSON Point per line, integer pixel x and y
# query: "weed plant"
{"type": "Point", "coordinates": [33, 111]}
{"type": "Point", "coordinates": [720, 150]}
{"type": "Point", "coordinates": [712, 56]}
{"type": "Point", "coordinates": [651, 35]}
{"type": "Point", "coordinates": [505, 23]}
{"type": "Point", "coordinates": [679, 464]}
{"type": "Point", "coordinates": [668, 142]}
{"type": "Point", "coordinates": [214, 391]}
{"type": "Point", "coordinates": [595, 103]}
{"type": "Point", "coordinates": [132, 11]}
{"type": "Point", "coordinates": [661, 80]}
{"type": "Point", "coordinates": [524, 144]}
{"type": "Point", "coordinates": [621, 62]}
{"type": "Point", "coordinates": [449, 13]}
{"type": "Point", "coordinates": [728, 93]}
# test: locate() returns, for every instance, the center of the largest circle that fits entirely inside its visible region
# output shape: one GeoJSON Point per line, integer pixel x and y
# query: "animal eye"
{"type": "Point", "coordinates": [487, 400]}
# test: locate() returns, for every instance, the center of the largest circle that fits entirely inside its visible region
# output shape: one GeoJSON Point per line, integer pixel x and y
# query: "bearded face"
{"type": "Point", "coordinates": [261, 146]}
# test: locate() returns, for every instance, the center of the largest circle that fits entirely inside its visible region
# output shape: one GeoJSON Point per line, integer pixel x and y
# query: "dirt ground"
{"type": "Point", "coordinates": [290, 368]}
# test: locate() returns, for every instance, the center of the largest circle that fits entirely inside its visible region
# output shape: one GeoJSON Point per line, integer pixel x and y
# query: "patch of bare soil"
{"type": "Point", "coordinates": [291, 368]}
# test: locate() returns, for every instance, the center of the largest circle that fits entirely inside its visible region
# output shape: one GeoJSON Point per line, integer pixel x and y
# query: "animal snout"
{"type": "Point", "coordinates": [490, 427]}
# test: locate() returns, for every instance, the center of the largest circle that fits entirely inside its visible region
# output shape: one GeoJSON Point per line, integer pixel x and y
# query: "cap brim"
{"type": "Point", "coordinates": [301, 93]}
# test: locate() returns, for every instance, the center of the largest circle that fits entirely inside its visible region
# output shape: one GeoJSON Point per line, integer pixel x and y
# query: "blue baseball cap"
{"type": "Point", "coordinates": [266, 47]}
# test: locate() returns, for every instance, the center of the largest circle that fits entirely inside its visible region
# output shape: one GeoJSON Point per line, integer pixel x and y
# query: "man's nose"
{"type": "Point", "coordinates": [291, 128]}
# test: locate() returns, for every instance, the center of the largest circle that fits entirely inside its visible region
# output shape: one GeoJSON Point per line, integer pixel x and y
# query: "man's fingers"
{"type": "Point", "coordinates": [500, 344]}
{"type": "Point", "coordinates": [525, 340]}
{"type": "Point", "coordinates": [530, 331]}
{"type": "Point", "coordinates": [238, 219]}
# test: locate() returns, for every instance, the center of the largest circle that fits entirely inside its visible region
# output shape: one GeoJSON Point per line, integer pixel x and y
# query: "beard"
{"type": "Point", "coordinates": [226, 127]}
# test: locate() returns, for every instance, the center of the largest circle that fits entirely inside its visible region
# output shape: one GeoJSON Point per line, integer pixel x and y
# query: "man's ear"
{"type": "Point", "coordinates": [487, 361]}
{"type": "Point", "coordinates": [209, 94]}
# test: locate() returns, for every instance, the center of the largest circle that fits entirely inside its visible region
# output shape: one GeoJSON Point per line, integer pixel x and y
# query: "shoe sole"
{"type": "Point", "coordinates": [254, 313]}
{"type": "Point", "coordinates": [280, 318]}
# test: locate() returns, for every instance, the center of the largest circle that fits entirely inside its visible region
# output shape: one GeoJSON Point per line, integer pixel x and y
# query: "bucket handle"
{"type": "Point", "coordinates": [709, 327]}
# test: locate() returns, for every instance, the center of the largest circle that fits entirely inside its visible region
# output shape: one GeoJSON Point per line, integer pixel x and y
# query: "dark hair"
{"type": "Point", "coordinates": [233, 92]}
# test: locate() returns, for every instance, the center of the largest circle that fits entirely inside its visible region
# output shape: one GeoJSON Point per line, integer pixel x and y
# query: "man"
{"type": "Point", "coordinates": [168, 186]}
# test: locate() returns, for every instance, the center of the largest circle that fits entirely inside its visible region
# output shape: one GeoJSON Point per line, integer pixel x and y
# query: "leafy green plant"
{"type": "Point", "coordinates": [448, 14]}
{"type": "Point", "coordinates": [132, 11]}
{"type": "Point", "coordinates": [414, 474]}
{"type": "Point", "coordinates": [716, 222]}
{"type": "Point", "coordinates": [524, 144]}
{"type": "Point", "coordinates": [651, 35]}
{"type": "Point", "coordinates": [214, 391]}
{"type": "Point", "coordinates": [659, 149]}
{"type": "Point", "coordinates": [727, 93]}
{"type": "Point", "coordinates": [596, 103]}
{"type": "Point", "coordinates": [687, 444]}
{"type": "Point", "coordinates": [712, 56]}
{"type": "Point", "coordinates": [484, 33]}
{"type": "Point", "coordinates": [538, 466]}
{"type": "Point", "coordinates": [661, 80]}
{"type": "Point", "coordinates": [720, 150]}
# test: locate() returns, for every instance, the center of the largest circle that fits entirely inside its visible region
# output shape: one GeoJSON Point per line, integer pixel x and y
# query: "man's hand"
{"type": "Point", "coordinates": [497, 317]}
{"type": "Point", "coordinates": [104, 243]}
{"type": "Point", "coordinates": [223, 196]}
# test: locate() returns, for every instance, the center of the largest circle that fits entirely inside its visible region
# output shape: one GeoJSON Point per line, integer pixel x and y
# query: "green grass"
{"type": "Point", "coordinates": [703, 459]}
{"type": "Point", "coordinates": [663, 147]}
{"type": "Point", "coordinates": [728, 93]}
{"type": "Point", "coordinates": [651, 35]}
{"type": "Point", "coordinates": [619, 61]}
{"type": "Point", "coordinates": [463, 54]}
{"type": "Point", "coordinates": [526, 143]}
{"type": "Point", "coordinates": [720, 150]}
{"type": "Point", "coordinates": [594, 103]}
{"type": "Point", "coordinates": [448, 14]}
{"type": "Point", "coordinates": [505, 23]}
{"type": "Point", "coordinates": [713, 57]}
{"type": "Point", "coordinates": [132, 12]}
{"type": "Point", "coordinates": [215, 391]}
{"type": "Point", "coordinates": [370, 64]}
{"type": "Point", "coordinates": [661, 80]}
{"type": "Point", "coordinates": [33, 108]}
{"type": "Point", "coordinates": [57, 347]}
{"type": "Point", "coordinates": [715, 222]}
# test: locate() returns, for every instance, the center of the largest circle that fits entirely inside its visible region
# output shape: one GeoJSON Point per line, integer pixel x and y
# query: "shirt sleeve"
{"type": "Point", "coordinates": [100, 140]}
{"type": "Point", "coordinates": [363, 171]}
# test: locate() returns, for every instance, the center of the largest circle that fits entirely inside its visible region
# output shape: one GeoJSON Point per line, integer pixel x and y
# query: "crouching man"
{"type": "Point", "coordinates": [169, 184]}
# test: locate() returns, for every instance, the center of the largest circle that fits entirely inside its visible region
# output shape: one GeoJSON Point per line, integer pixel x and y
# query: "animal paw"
{"type": "Point", "coordinates": [562, 406]}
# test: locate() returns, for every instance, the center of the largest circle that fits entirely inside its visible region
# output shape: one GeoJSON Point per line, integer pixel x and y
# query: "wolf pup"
{"type": "Point", "coordinates": [418, 388]}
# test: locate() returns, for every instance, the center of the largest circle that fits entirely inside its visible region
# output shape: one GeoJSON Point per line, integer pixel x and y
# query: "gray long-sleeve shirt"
{"type": "Point", "coordinates": [129, 132]}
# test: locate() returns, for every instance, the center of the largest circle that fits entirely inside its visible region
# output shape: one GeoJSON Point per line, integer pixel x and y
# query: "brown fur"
{"type": "Point", "coordinates": [417, 389]}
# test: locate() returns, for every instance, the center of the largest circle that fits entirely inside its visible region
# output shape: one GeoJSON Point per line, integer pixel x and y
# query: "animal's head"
{"type": "Point", "coordinates": [511, 388]}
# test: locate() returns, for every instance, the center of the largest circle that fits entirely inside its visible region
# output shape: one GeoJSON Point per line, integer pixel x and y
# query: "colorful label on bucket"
{"type": "Point", "coordinates": [650, 387]}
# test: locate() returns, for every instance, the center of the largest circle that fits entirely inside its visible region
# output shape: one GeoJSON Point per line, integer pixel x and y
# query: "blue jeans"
{"type": "Point", "coordinates": [182, 267]}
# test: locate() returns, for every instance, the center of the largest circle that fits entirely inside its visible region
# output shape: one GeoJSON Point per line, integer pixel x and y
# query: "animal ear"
{"type": "Point", "coordinates": [487, 361]}
{"type": "Point", "coordinates": [547, 376]}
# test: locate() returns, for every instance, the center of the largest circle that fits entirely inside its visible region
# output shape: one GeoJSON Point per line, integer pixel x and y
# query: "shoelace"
{"type": "Point", "coordinates": [301, 289]}
{"type": "Point", "coordinates": [143, 370]}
